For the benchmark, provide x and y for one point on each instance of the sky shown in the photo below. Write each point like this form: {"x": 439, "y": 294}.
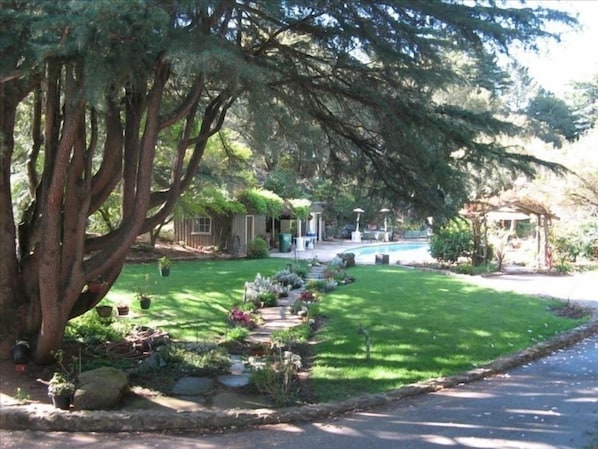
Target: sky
{"x": 575, "y": 58}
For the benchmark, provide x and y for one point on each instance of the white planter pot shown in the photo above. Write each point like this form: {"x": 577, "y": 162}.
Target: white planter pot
{"x": 300, "y": 242}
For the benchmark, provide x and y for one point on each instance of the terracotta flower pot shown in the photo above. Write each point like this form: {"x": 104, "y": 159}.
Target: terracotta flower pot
{"x": 122, "y": 310}
{"x": 95, "y": 287}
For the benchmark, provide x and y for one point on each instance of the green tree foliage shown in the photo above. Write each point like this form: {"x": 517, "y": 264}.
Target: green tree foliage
{"x": 224, "y": 170}
{"x": 552, "y": 119}
{"x": 585, "y": 100}
{"x": 113, "y": 86}
{"x": 262, "y": 201}
{"x": 572, "y": 241}
{"x": 285, "y": 182}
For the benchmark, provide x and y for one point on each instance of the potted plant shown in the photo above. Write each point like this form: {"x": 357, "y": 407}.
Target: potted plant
{"x": 164, "y": 264}
{"x": 20, "y": 355}
{"x": 122, "y": 309}
{"x": 96, "y": 285}
{"x": 104, "y": 311}
{"x": 144, "y": 299}
{"x": 142, "y": 294}
{"x": 61, "y": 390}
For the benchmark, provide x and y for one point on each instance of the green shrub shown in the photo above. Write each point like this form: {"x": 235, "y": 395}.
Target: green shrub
{"x": 588, "y": 239}
{"x": 287, "y": 338}
{"x": 318, "y": 285}
{"x": 289, "y": 278}
{"x": 257, "y": 249}
{"x": 567, "y": 248}
{"x": 451, "y": 242}
{"x": 570, "y": 242}
{"x": 464, "y": 268}
{"x": 275, "y": 376}
{"x": 245, "y": 306}
{"x": 237, "y": 333}
{"x": 189, "y": 362}
{"x": 562, "y": 266}
{"x": 91, "y": 330}
{"x": 268, "y": 299}
{"x": 313, "y": 310}
{"x": 301, "y": 269}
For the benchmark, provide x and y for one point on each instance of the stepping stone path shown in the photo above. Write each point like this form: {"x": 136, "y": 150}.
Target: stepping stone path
{"x": 315, "y": 273}
{"x": 281, "y": 317}
{"x": 274, "y": 318}
{"x": 238, "y": 377}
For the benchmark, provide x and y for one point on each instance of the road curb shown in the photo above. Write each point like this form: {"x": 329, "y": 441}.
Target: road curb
{"x": 44, "y": 418}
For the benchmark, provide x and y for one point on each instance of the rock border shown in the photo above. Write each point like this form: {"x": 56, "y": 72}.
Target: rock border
{"x": 43, "y": 418}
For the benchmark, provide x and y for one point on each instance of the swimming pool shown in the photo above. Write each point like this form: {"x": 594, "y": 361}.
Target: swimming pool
{"x": 386, "y": 248}
{"x": 416, "y": 251}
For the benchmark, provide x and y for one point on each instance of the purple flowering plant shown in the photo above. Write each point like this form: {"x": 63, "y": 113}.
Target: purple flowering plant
{"x": 308, "y": 296}
{"x": 240, "y": 318}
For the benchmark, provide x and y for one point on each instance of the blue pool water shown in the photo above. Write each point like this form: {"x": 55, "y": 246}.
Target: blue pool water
{"x": 387, "y": 248}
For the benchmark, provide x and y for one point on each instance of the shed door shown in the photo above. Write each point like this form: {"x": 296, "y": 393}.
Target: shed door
{"x": 249, "y": 228}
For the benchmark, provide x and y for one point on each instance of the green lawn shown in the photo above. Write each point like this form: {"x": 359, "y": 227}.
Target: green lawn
{"x": 421, "y": 324}
{"x": 193, "y": 302}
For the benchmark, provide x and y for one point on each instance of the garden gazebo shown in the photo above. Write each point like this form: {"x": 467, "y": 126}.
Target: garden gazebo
{"x": 496, "y": 210}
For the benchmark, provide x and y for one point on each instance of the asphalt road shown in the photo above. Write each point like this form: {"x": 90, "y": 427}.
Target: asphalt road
{"x": 548, "y": 404}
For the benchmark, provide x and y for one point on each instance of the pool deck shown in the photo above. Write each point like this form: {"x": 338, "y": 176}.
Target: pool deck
{"x": 327, "y": 250}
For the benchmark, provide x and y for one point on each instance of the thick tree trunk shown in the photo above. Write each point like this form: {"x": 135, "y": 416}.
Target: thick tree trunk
{"x": 9, "y": 275}
{"x": 51, "y": 332}
{"x": 43, "y": 277}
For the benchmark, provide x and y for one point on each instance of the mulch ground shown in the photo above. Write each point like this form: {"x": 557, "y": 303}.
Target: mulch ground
{"x": 146, "y": 253}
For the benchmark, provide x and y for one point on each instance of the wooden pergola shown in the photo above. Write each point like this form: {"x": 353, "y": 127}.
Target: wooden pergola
{"x": 480, "y": 212}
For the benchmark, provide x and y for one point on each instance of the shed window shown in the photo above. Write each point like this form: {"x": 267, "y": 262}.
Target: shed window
{"x": 202, "y": 225}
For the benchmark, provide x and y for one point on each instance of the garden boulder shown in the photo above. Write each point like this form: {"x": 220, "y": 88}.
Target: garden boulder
{"x": 101, "y": 389}
{"x": 348, "y": 259}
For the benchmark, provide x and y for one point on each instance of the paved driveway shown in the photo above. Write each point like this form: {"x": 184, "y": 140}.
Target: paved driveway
{"x": 581, "y": 288}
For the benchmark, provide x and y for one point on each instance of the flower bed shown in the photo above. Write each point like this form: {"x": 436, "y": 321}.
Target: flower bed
{"x": 238, "y": 317}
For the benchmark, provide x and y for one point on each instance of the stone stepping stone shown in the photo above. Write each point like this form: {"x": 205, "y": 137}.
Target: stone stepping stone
{"x": 315, "y": 273}
{"x": 192, "y": 386}
{"x": 234, "y": 380}
{"x": 259, "y": 337}
{"x": 237, "y": 365}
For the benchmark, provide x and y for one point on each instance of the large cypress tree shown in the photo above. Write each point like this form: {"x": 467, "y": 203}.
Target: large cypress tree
{"x": 103, "y": 80}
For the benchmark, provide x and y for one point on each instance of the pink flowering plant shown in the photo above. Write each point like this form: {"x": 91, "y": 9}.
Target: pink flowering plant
{"x": 238, "y": 317}
{"x": 308, "y": 296}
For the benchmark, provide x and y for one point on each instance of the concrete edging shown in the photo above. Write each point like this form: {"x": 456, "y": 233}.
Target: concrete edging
{"x": 30, "y": 417}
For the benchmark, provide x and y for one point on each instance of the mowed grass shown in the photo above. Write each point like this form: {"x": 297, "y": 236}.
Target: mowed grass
{"x": 421, "y": 324}
{"x": 192, "y": 303}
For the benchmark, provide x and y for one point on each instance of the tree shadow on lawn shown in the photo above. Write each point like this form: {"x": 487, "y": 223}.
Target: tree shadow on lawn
{"x": 450, "y": 326}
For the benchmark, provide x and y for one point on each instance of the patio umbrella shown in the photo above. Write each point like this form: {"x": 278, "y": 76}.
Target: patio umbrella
{"x": 359, "y": 212}
{"x": 385, "y": 211}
